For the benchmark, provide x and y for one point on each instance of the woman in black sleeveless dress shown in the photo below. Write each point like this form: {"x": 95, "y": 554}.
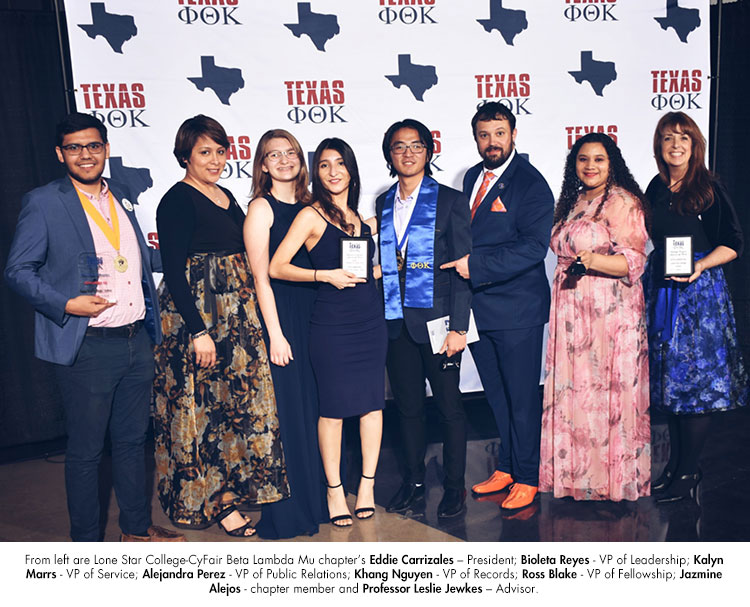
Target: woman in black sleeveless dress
{"x": 279, "y": 193}
{"x": 347, "y": 333}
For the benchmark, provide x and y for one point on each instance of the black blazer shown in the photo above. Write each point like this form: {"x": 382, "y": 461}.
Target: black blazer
{"x": 451, "y": 294}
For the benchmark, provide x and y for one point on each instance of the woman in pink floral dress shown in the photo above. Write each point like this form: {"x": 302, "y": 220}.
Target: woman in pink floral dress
{"x": 596, "y": 437}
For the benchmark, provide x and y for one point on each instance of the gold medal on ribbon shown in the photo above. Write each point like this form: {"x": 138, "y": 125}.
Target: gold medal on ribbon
{"x": 399, "y": 260}
{"x": 112, "y": 232}
{"x": 121, "y": 264}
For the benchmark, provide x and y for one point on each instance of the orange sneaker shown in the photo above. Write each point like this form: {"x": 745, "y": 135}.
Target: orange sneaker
{"x": 497, "y": 482}
{"x": 520, "y": 496}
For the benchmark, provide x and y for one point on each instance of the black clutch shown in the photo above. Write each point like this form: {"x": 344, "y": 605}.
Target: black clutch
{"x": 577, "y": 268}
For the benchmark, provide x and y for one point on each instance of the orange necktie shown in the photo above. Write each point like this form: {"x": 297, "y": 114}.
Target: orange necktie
{"x": 488, "y": 176}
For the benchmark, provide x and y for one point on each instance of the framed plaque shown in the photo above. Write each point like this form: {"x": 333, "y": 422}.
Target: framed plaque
{"x": 97, "y": 275}
{"x": 678, "y": 256}
{"x": 355, "y": 256}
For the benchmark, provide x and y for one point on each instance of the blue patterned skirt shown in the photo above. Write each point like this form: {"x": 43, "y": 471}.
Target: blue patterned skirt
{"x": 695, "y": 363}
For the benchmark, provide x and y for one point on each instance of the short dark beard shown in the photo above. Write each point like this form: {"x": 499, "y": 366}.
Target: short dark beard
{"x": 494, "y": 164}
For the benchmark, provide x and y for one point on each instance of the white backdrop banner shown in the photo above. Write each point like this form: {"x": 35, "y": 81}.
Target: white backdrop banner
{"x": 350, "y": 68}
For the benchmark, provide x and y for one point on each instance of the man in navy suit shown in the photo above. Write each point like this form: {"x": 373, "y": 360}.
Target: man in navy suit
{"x": 511, "y": 209}
{"x": 79, "y": 257}
{"x": 421, "y": 225}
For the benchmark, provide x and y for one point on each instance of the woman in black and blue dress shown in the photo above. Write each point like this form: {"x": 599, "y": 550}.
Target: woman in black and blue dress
{"x": 348, "y": 337}
{"x": 279, "y": 192}
{"x": 696, "y": 367}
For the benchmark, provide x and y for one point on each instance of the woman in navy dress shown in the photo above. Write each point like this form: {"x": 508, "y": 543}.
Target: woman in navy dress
{"x": 348, "y": 337}
{"x": 279, "y": 192}
{"x": 695, "y": 363}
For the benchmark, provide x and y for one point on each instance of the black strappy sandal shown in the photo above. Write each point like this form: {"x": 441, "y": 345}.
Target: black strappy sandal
{"x": 336, "y": 521}
{"x": 239, "y": 531}
{"x": 368, "y": 511}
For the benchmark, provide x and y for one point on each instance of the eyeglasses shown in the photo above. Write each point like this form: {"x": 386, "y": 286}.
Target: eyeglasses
{"x": 74, "y": 149}
{"x": 276, "y": 155}
{"x": 401, "y": 148}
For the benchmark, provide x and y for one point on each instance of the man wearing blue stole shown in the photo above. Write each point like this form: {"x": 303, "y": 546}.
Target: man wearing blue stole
{"x": 423, "y": 224}
{"x": 511, "y": 221}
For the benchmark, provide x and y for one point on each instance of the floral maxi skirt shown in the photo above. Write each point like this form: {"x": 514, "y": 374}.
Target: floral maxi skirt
{"x": 695, "y": 361}
{"x": 216, "y": 429}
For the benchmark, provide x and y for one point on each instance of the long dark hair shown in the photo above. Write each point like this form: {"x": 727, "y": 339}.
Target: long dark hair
{"x": 696, "y": 193}
{"x": 262, "y": 182}
{"x": 322, "y": 195}
{"x": 619, "y": 176}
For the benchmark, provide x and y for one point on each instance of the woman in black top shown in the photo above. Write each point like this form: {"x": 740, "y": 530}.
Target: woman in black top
{"x": 217, "y": 434}
{"x": 695, "y": 364}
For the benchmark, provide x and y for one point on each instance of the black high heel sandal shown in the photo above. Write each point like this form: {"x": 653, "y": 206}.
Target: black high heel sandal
{"x": 368, "y": 511}
{"x": 339, "y": 521}
{"x": 238, "y": 531}
{"x": 683, "y": 487}
{"x": 663, "y": 482}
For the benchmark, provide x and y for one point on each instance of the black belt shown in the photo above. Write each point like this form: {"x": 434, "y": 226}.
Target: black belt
{"x": 124, "y": 331}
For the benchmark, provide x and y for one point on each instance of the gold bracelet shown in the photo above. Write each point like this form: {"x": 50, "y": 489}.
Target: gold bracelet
{"x": 315, "y": 276}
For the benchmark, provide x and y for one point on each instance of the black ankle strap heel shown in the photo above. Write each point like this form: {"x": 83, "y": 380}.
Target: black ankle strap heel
{"x": 342, "y": 520}
{"x": 367, "y": 512}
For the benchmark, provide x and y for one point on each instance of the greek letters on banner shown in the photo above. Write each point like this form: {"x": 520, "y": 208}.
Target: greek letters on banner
{"x": 350, "y": 68}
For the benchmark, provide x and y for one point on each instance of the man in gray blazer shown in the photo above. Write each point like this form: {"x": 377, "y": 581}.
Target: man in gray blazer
{"x": 79, "y": 257}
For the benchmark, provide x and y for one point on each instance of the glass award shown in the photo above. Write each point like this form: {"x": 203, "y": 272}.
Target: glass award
{"x": 355, "y": 256}
{"x": 678, "y": 256}
{"x": 97, "y": 275}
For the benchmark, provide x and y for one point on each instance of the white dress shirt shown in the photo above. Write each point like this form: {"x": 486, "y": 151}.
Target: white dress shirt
{"x": 402, "y": 211}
